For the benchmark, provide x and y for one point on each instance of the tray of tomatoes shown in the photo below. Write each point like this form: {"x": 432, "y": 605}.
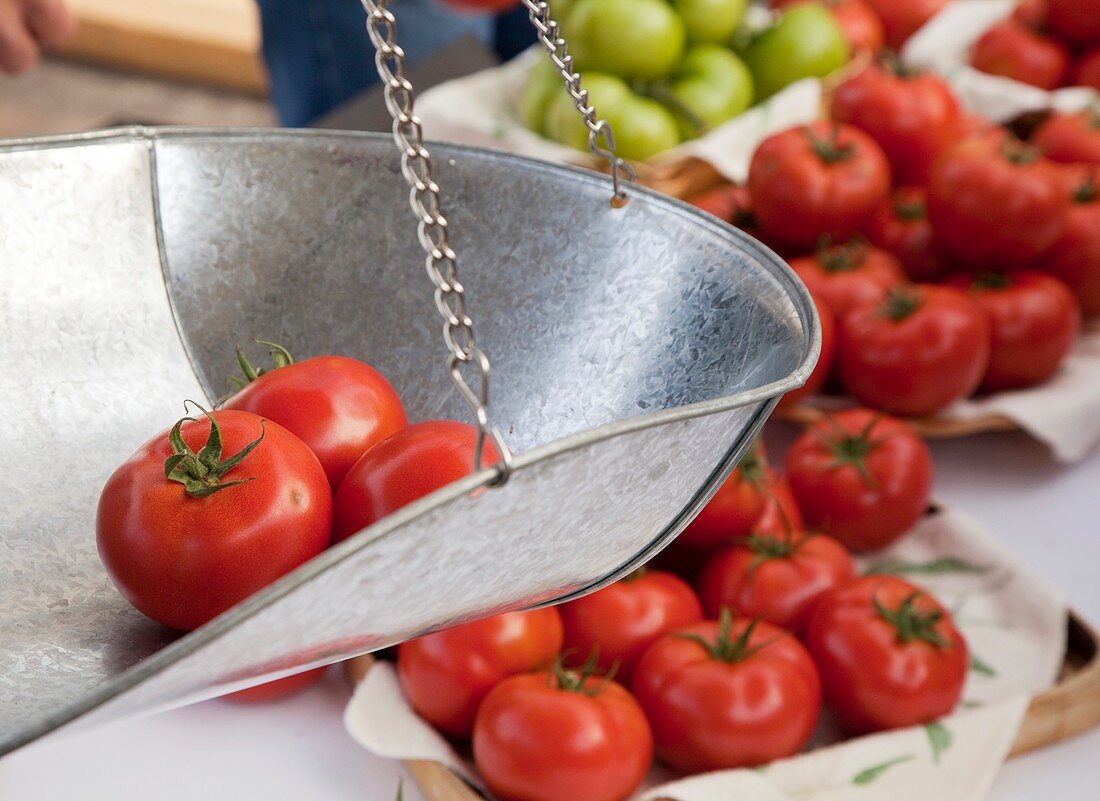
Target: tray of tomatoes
{"x": 955, "y": 264}
{"x": 825, "y": 613}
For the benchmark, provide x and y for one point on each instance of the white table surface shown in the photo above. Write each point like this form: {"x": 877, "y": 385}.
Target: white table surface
{"x": 297, "y": 749}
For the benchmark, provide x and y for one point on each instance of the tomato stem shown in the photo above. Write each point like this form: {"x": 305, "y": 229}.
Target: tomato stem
{"x": 1088, "y": 191}
{"x": 201, "y": 473}
{"x": 992, "y": 280}
{"x": 829, "y": 150}
{"x": 900, "y": 303}
{"x": 910, "y": 624}
{"x": 576, "y": 681}
{"x": 909, "y": 210}
{"x": 893, "y": 65}
{"x": 725, "y": 648}
{"x": 843, "y": 257}
{"x": 280, "y": 357}
{"x": 1019, "y": 153}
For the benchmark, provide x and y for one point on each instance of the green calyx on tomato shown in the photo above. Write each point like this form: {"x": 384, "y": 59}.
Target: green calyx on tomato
{"x": 1088, "y": 191}
{"x": 826, "y": 148}
{"x": 852, "y": 449}
{"x": 1019, "y": 153}
{"x": 576, "y": 680}
{"x": 910, "y": 623}
{"x": 844, "y": 257}
{"x": 752, "y": 467}
{"x": 201, "y": 473}
{"x": 725, "y": 647}
{"x": 280, "y": 357}
{"x": 900, "y": 303}
{"x": 991, "y": 280}
{"x": 893, "y": 65}
{"x": 910, "y": 210}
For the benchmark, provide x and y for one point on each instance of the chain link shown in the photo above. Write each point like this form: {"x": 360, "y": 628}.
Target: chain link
{"x": 601, "y": 139}
{"x": 441, "y": 262}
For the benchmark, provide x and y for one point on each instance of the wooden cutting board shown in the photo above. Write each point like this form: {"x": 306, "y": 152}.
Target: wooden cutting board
{"x": 215, "y": 42}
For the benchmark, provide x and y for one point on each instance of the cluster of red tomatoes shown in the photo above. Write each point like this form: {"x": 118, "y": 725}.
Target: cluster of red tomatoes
{"x": 724, "y": 653}
{"x": 1045, "y": 43}
{"x": 224, "y": 503}
{"x": 945, "y": 255}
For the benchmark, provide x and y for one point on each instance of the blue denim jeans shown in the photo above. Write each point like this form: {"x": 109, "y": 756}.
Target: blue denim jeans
{"x": 318, "y": 52}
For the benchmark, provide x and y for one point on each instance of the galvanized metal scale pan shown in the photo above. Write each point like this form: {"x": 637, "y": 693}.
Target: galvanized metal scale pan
{"x": 636, "y": 350}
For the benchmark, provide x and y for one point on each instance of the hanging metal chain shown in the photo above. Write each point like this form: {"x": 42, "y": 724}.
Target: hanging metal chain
{"x": 601, "y": 139}
{"x": 441, "y": 262}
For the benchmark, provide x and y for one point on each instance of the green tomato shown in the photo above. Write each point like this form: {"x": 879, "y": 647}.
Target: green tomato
{"x": 807, "y": 42}
{"x": 543, "y": 81}
{"x": 710, "y": 21}
{"x": 712, "y": 85}
{"x": 642, "y": 127}
{"x": 641, "y": 39}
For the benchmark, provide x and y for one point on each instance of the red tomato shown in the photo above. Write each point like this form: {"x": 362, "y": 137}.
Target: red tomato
{"x": 405, "y": 467}
{"x": 1015, "y": 51}
{"x": 995, "y": 203}
{"x": 861, "y": 26}
{"x": 825, "y": 361}
{"x": 913, "y": 115}
{"x": 1034, "y": 321}
{"x": 1032, "y": 13}
{"x": 728, "y": 202}
{"x": 617, "y": 623}
{"x": 780, "y": 513}
{"x": 727, "y": 695}
{"x": 848, "y": 275}
{"x": 280, "y": 688}
{"x": 861, "y": 477}
{"x": 561, "y": 735}
{"x": 337, "y": 406}
{"x": 1076, "y": 21}
{"x": 1086, "y": 70}
{"x": 735, "y": 507}
{"x": 902, "y": 18}
{"x": 477, "y": 6}
{"x": 888, "y": 653}
{"x": 185, "y": 548}
{"x": 1071, "y": 138}
{"x": 446, "y": 675}
{"x": 776, "y": 578}
{"x": 916, "y": 352}
{"x": 820, "y": 179}
{"x": 901, "y": 227}
{"x": 1075, "y": 257}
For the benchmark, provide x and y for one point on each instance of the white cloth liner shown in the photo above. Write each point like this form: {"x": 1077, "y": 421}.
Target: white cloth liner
{"x": 1014, "y": 622}
{"x": 943, "y": 45}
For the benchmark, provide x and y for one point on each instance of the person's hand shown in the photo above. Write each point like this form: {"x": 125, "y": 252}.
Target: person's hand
{"x": 27, "y": 27}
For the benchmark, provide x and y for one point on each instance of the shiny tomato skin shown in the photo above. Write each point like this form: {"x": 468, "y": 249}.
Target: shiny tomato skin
{"x": 1075, "y": 257}
{"x": 760, "y": 579}
{"x": 1070, "y": 138}
{"x": 849, "y": 275}
{"x": 1034, "y": 321}
{"x": 825, "y": 361}
{"x": 1076, "y": 21}
{"x": 995, "y": 204}
{"x": 1013, "y": 50}
{"x": 183, "y": 560}
{"x": 734, "y": 508}
{"x": 902, "y": 18}
{"x": 536, "y": 742}
{"x": 405, "y": 467}
{"x": 1086, "y": 70}
{"x": 337, "y": 406}
{"x": 815, "y": 180}
{"x": 277, "y": 689}
{"x": 917, "y": 365}
{"x": 873, "y": 681}
{"x": 710, "y": 714}
{"x": 861, "y": 477}
{"x": 900, "y": 226}
{"x": 913, "y": 116}
{"x": 447, "y": 674}
{"x": 620, "y": 621}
